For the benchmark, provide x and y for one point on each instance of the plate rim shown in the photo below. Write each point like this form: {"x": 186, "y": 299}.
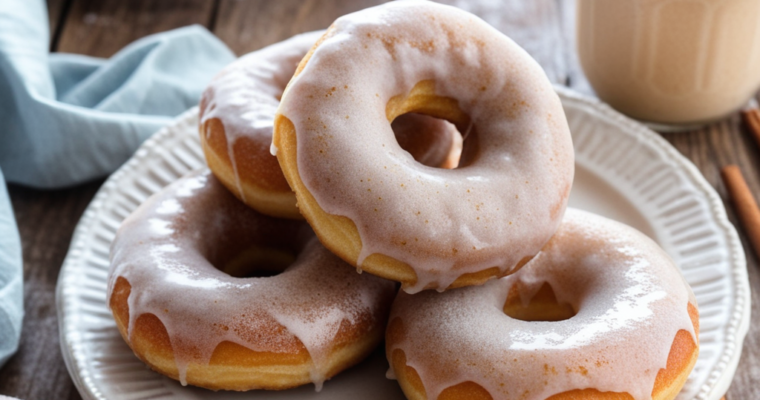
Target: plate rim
{"x": 740, "y": 315}
{"x": 89, "y": 392}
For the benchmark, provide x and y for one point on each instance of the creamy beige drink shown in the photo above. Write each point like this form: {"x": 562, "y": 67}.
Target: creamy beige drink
{"x": 671, "y": 61}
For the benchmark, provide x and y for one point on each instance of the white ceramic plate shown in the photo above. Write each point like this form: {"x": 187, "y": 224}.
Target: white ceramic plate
{"x": 624, "y": 171}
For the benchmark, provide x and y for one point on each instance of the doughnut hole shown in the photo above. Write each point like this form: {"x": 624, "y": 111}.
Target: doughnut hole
{"x": 258, "y": 262}
{"x": 543, "y": 306}
{"x": 243, "y": 257}
{"x": 431, "y": 141}
{"x": 422, "y": 100}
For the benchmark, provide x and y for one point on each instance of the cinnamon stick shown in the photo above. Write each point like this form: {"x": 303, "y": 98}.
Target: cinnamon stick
{"x": 751, "y": 118}
{"x": 744, "y": 204}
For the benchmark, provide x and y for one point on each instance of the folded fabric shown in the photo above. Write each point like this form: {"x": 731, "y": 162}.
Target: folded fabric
{"x": 70, "y": 118}
{"x": 11, "y": 284}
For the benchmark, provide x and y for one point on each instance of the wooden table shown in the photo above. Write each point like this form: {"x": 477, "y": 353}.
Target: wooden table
{"x": 47, "y": 219}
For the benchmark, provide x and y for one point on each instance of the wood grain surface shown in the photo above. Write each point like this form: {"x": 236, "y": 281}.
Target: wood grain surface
{"x": 47, "y": 219}
{"x": 101, "y": 28}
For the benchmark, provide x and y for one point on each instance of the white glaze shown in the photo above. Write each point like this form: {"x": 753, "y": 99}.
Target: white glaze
{"x": 443, "y": 223}
{"x": 244, "y": 97}
{"x": 164, "y": 249}
{"x": 630, "y": 298}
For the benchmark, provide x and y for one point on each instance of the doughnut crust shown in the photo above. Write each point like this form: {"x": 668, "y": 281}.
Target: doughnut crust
{"x": 381, "y": 211}
{"x": 600, "y": 302}
{"x": 185, "y": 294}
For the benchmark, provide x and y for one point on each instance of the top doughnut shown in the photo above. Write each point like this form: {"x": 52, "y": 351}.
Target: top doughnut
{"x": 369, "y": 201}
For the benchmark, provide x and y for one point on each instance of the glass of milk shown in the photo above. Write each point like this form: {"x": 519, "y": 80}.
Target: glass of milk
{"x": 675, "y": 63}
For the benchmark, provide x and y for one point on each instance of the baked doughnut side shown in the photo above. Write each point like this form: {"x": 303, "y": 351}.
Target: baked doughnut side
{"x": 269, "y": 193}
{"x": 233, "y": 366}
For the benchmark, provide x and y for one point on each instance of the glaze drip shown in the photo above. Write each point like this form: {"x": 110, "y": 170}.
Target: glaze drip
{"x": 630, "y": 299}
{"x": 245, "y": 96}
{"x": 167, "y": 251}
{"x": 443, "y": 223}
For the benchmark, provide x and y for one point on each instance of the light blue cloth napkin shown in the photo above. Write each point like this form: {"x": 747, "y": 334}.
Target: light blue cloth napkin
{"x": 11, "y": 282}
{"x": 68, "y": 118}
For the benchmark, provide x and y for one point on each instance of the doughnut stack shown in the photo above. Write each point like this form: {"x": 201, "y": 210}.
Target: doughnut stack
{"x": 415, "y": 143}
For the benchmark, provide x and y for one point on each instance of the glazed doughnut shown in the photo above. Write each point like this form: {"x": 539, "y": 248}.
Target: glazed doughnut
{"x": 601, "y": 313}
{"x": 372, "y": 204}
{"x": 180, "y": 298}
{"x": 236, "y": 116}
